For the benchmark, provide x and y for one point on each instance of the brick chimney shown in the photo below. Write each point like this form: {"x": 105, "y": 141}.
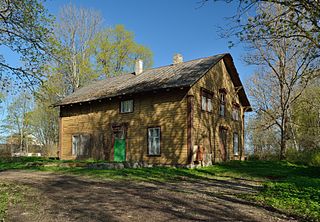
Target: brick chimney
{"x": 138, "y": 67}
{"x": 177, "y": 58}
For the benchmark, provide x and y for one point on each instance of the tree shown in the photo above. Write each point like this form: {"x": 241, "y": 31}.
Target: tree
{"x": 25, "y": 28}
{"x": 299, "y": 18}
{"x": 262, "y": 141}
{"x": 116, "y": 51}
{"x": 286, "y": 68}
{"x": 306, "y": 118}
{"x": 17, "y": 121}
{"x": 44, "y": 123}
{"x": 76, "y": 29}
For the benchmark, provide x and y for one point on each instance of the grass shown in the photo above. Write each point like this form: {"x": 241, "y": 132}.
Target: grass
{"x": 9, "y": 194}
{"x": 290, "y": 188}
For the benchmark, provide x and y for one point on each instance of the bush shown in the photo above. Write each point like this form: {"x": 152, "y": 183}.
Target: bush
{"x": 306, "y": 157}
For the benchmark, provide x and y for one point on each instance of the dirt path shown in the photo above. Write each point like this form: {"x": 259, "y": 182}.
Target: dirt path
{"x": 56, "y": 197}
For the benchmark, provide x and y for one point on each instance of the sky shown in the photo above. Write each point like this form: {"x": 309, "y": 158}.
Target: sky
{"x": 168, "y": 26}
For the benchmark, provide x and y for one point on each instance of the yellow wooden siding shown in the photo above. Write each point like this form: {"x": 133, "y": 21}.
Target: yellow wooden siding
{"x": 206, "y": 125}
{"x": 165, "y": 109}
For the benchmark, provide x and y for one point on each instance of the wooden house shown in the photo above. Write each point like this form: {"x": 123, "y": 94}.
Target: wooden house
{"x": 182, "y": 113}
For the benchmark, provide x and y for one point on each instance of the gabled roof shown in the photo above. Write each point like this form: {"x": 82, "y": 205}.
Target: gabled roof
{"x": 184, "y": 74}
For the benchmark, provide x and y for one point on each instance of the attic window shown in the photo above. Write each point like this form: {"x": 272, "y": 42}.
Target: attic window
{"x": 126, "y": 106}
{"x": 206, "y": 100}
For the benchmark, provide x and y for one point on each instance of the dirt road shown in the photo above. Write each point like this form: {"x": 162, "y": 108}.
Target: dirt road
{"x": 57, "y": 197}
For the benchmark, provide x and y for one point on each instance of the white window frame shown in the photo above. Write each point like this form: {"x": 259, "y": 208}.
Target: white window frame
{"x": 126, "y": 106}
{"x": 235, "y": 144}
{"x": 154, "y": 141}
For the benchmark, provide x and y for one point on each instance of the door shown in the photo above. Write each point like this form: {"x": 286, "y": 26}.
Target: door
{"x": 223, "y": 144}
{"x": 119, "y": 146}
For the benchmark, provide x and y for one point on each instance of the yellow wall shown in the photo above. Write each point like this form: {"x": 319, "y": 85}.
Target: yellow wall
{"x": 206, "y": 125}
{"x": 166, "y": 109}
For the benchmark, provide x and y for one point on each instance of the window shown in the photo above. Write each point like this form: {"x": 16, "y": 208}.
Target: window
{"x": 222, "y": 108}
{"x": 126, "y": 106}
{"x": 235, "y": 144}
{"x": 235, "y": 112}
{"x": 80, "y": 144}
{"x": 75, "y": 144}
{"x": 206, "y": 100}
{"x": 154, "y": 141}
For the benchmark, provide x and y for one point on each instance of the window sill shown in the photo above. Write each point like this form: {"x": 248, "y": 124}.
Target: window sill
{"x": 205, "y": 111}
{"x": 153, "y": 155}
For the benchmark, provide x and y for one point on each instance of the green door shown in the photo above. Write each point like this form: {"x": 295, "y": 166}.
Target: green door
{"x": 119, "y": 150}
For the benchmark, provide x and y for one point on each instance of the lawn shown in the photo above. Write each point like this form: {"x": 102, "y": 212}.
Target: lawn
{"x": 290, "y": 188}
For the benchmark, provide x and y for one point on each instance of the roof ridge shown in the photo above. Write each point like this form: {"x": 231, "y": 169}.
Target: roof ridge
{"x": 221, "y": 54}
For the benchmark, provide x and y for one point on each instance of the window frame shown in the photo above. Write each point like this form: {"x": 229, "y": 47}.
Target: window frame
{"x": 207, "y": 95}
{"x": 126, "y": 100}
{"x": 160, "y": 139}
{"x": 235, "y": 135}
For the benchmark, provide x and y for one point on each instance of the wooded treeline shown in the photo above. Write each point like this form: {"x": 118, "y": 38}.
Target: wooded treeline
{"x": 57, "y": 56}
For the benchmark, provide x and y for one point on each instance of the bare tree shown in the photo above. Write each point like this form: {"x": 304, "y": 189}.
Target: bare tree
{"x": 75, "y": 29}
{"x": 286, "y": 67}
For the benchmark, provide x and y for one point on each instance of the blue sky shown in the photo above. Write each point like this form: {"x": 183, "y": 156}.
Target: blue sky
{"x": 168, "y": 26}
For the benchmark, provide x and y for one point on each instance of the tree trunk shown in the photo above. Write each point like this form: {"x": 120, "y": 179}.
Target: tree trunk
{"x": 283, "y": 145}
{"x": 284, "y": 138}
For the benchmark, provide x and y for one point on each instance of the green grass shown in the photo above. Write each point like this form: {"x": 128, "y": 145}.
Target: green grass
{"x": 293, "y": 189}
{"x": 290, "y": 188}
{"x": 9, "y": 194}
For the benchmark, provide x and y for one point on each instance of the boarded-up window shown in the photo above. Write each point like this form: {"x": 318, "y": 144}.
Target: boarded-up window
{"x": 154, "y": 141}
{"x": 126, "y": 106}
{"x": 235, "y": 144}
{"x": 81, "y": 144}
